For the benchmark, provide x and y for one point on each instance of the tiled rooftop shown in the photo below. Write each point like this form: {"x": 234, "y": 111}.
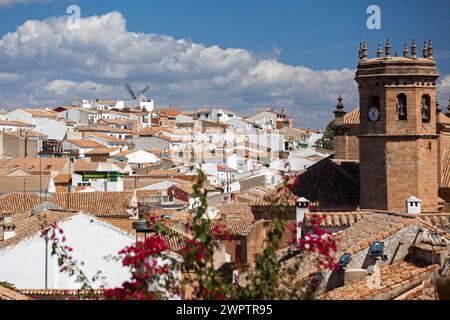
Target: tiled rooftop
{"x": 352, "y": 117}
{"x": 425, "y": 291}
{"x": 445, "y": 183}
{"x": 28, "y": 226}
{"x": 395, "y": 280}
{"x": 8, "y": 294}
{"x": 113, "y": 204}
{"x": 372, "y": 227}
{"x": 333, "y": 184}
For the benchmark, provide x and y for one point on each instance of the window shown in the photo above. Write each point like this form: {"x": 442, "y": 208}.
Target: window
{"x": 402, "y": 107}
{"x": 426, "y": 108}
{"x": 374, "y": 101}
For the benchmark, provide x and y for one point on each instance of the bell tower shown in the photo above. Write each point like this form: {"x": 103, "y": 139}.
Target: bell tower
{"x": 398, "y": 140}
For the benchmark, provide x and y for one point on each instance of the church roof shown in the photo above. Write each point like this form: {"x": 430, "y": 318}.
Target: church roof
{"x": 352, "y": 117}
{"x": 332, "y": 183}
{"x": 445, "y": 183}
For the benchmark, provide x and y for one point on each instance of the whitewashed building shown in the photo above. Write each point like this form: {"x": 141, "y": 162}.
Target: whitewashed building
{"x": 23, "y": 259}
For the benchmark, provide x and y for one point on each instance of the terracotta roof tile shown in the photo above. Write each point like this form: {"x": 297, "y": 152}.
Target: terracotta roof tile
{"x": 403, "y": 275}
{"x": 102, "y": 150}
{"x": 371, "y": 227}
{"x": 96, "y": 203}
{"x": 59, "y": 293}
{"x": 8, "y": 294}
{"x": 86, "y": 143}
{"x": 28, "y": 226}
{"x": 445, "y": 183}
{"x": 280, "y": 196}
{"x": 352, "y": 117}
{"x": 333, "y": 184}
{"x": 425, "y": 291}
{"x": 103, "y": 204}
{"x": 20, "y": 203}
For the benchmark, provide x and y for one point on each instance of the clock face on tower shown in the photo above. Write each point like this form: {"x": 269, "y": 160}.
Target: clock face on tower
{"x": 374, "y": 114}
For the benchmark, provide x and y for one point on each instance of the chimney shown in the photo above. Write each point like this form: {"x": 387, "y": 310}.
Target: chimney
{"x": 9, "y": 229}
{"x": 6, "y": 217}
{"x": 301, "y": 209}
{"x": 51, "y": 187}
{"x": 413, "y": 205}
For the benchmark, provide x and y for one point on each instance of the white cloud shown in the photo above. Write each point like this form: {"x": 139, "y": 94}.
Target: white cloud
{"x": 6, "y": 3}
{"x": 56, "y": 65}
{"x": 444, "y": 87}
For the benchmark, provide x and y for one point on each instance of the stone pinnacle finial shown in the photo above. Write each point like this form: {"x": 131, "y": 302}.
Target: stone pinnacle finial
{"x": 414, "y": 48}
{"x": 388, "y": 48}
{"x": 340, "y": 105}
{"x": 364, "y": 51}
{"x": 379, "y": 51}
{"x": 430, "y": 49}
{"x": 360, "y": 50}
{"x": 425, "y": 50}
{"x": 406, "y": 50}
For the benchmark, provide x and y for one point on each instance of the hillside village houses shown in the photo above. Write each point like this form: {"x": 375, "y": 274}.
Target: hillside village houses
{"x": 383, "y": 191}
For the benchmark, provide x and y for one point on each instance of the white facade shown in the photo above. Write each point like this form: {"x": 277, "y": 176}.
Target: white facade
{"x": 8, "y": 126}
{"x": 215, "y": 114}
{"x": 100, "y": 185}
{"x": 103, "y": 184}
{"x": 122, "y": 145}
{"x": 50, "y": 127}
{"x": 141, "y": 157}
{"x": 91, "y": 239}
{"x": 265, "y": 119}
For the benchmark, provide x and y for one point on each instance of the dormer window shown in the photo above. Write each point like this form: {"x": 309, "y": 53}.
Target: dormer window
{"x": 426, "y": 108}
{"x": 402, "y": 107}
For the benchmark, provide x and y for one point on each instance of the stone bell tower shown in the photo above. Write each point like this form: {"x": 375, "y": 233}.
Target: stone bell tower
{"x": 398, "y": 140}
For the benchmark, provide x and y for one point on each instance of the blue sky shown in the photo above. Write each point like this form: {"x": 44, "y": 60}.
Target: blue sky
{"x": 317, "y": 35}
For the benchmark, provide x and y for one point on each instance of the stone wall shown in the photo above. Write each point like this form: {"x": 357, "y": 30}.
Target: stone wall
{"x": 372, "y": 168}
{"x": 346, "y": 143}
{"x": 394, "y": 168}
{"x": 252, "y": 244}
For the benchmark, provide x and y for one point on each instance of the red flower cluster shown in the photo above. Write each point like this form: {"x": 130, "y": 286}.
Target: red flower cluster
{"x": 136, "y": 254}
{"x": 319, "y": 241}
{"x": 221, "y": 231}
{"x": 195, "y": 248}
{"x": 142, "y": 260}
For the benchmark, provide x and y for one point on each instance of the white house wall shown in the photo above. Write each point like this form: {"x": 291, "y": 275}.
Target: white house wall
{"x": 24, "y": 264}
